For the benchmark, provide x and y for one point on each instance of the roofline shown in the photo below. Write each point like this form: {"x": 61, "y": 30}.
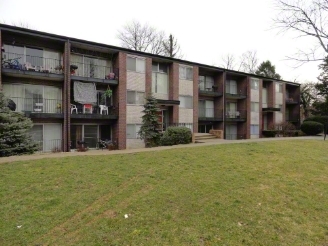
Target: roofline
{"x": 117, "y": 48}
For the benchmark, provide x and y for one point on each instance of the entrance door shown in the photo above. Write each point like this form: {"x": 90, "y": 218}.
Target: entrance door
{"x": 231, "y": 132}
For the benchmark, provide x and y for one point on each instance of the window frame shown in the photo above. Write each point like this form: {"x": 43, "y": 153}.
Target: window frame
{"x": 255, "y": 109}
{"x": 136, "y": 67}
{"x": 255, "y": 84}
{"x": 186, "y": 96}
{"x": 135, "y": 131}
{"x": 136, "y": 101}
{"x": 252, "y": 128}
{"x": 185, "y": 75}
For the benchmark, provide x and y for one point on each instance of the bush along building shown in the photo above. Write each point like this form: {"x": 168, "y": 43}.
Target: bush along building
{"x": 62, "y": 84}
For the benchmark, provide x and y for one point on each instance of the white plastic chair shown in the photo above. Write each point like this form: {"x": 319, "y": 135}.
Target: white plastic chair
{"x": 73, "y": 107}
{"x": 103, "y": 108}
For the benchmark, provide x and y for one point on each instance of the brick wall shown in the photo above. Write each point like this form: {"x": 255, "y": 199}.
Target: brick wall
{"x": 119, "y": 129}
{"x": 135, "y": 81}
{"x": 67, "y": 97}
{"x": 195, "y": 99}
{"x": 148, "y": 75}
{"x": 174, "y": 91}
{"x": 260, "y": 108}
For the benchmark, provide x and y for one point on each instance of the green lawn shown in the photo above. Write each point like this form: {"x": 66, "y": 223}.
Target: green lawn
{"x": 266, "y": 193}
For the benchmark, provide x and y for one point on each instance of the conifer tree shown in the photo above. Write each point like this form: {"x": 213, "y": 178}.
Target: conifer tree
{"x": 149, "y": 131}
{"x": 14, "y": 131}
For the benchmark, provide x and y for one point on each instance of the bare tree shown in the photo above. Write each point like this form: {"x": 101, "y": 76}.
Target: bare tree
{"x": 171, "y": 47}
{"x": 228, "y": 61}
{"x": 146, "y": 38}
{"x": 306, "y": 18}
{"x": 248, "y": 62}
{"x": 22, "y": 24}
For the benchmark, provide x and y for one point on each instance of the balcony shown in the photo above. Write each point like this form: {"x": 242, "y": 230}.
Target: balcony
{"x": 88, "y": 111}
{"x": 267, "y": 108}
{"x": 39, "y": 107}
{"x": 209, "y": 114}
{"x": 209, "y": 90}
{"x": 235, "y": 136}
{"x": 31, "y": 66}
{"x": 291, "y": 100}
{"x": 94, "y": 73}
{"x": 234, "y": 94}
{"x": 236, "y": 116}
{"x": 292, "y": 118}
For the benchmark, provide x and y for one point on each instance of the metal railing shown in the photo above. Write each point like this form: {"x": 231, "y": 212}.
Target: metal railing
{"x": 208, "y": 87}
{"x": 83, "y": 144}
{"x": 93, "y": 71}
{"x": 210, "y": 113}
{"x": 94, "y": 110}
{"x": 37, "y": 105}
{"x": 31, "y": 63}
{"x": 293, "y": 118}
{"x": 188, "y": 125}
{"x": 235, "y": 136}
{"x": 52, "y": 145}
{"x": 236, "y": 114}
{"x": 232, "y": 91}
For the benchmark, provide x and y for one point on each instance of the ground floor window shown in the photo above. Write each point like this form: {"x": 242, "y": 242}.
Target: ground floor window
{"x": 132, "y": 131}
{"x": 89, "y": 134}
{"x": 205, "y": 128}
{"x": 48, "y": 137}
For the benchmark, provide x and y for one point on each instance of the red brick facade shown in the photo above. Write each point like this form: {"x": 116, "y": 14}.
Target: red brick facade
{"x": 148, "y": 75}
{"x": 195, "y": 99}
{"x": 119, "y": 129}
{"x": 174, "y": 91}
{"x": 120, "y": 91}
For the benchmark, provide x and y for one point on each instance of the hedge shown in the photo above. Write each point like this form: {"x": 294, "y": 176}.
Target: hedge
{"x": 320, "y": 119}
{"x": 311, "y": 127}
{"x": 176, "y": 135}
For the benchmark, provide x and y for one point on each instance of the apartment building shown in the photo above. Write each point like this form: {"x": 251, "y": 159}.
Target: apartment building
{"x": 59, "y": 81}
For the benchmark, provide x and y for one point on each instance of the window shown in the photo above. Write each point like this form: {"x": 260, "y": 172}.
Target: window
{"x": 279, "y": 87}
{"x": 185, "y": 101}
{"x": 132, "y": 131}
{"x": 135, "y": 97}
{"x": 206, "y": 83}
{"x": 135, "y": 64}
{"x": 185, "y": 73}
{"x": 231, "y": 87}
{"x": 159, "y": 67}
{"x": 159, "y": 78}
{"x": 255, "y": 107}
{"x": 255, "y": 130}
{"x": 254, "y": 84}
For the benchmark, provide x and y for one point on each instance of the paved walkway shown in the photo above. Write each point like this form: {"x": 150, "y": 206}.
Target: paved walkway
{"x": 127, "y": 151}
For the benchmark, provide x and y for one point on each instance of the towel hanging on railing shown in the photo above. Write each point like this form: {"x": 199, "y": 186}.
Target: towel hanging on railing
{"x": 85, "y": 93}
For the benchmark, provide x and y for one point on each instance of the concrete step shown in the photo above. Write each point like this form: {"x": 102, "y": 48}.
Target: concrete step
{"x": 204, "y": 136}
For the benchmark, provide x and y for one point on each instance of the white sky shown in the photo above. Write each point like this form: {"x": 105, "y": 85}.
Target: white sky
{"x": 206, "y": 30}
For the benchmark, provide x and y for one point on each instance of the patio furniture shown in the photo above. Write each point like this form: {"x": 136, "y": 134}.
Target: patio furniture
{"x": 110, "y": 76}
{"x": 87, "y": 108}
{"x": 28, "y": 66}
{"x": 103, "y": 108}
{"x": 38, "y": 107}
{"x": 73, "y": 107}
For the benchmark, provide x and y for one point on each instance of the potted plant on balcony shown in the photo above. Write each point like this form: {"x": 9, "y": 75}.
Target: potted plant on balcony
{"x": 107, "y": 93}
{"x": 73, "y": 68}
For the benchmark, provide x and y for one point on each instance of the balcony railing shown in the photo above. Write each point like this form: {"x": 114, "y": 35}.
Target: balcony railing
{"x": 92, "y": 111}
{"x": 235, "y": 136}
{"x": 236, "y": 93}
{"x": 31, "y": 63}
{"x": 210, "y": 113}
{"x": 292, "y": 118}
{"x": 291, "y": 100}
{"x": 37, "y": 105}
{"x": 52, "y": 145}
{"x": 93, "y": 71}
{"x": 82, "y": 144}
{"x": 237, "y": 115}
{"x": 188, "y": 125}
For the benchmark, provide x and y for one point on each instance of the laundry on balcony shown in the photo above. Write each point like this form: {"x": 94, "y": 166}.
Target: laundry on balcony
{"x": 86, "y": 94}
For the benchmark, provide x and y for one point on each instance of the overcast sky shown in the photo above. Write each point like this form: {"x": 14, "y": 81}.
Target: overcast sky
{"x": 206, "y": 30}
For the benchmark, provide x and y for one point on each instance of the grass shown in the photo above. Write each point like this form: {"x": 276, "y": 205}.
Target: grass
{"x": 265, "y": 193}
